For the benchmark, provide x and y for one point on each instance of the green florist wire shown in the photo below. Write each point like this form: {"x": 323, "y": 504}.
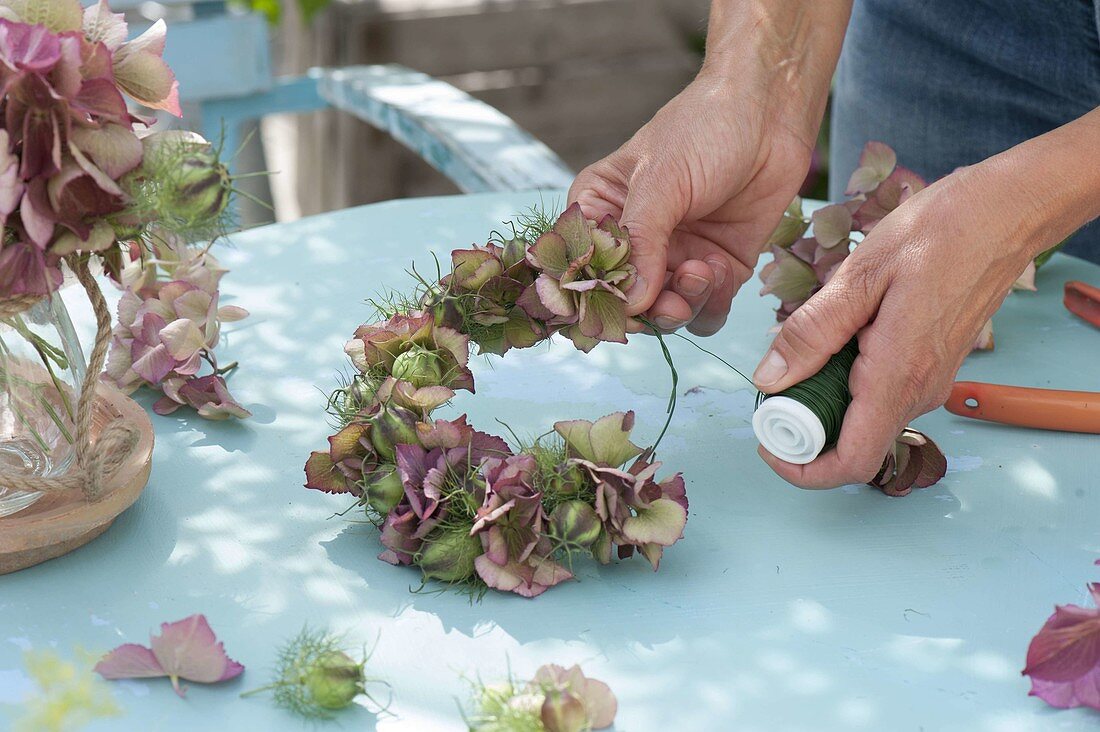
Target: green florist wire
{"x": 314, "y": 677}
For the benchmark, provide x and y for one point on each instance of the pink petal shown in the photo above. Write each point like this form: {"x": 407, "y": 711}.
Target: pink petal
{"x": 832, "y": 225}
{"x": 148, "y": 80}
{"x": 232, "y": 313}
{"x": 130, "y": 661}
{"x": 188, "y": 649}
{"x": 1081, "y": 692}
{"x": 182, "y": 338}
{"x": 114, "y": 148}
{"x": 154, "y": 364}
{"x": 103, "y": 26}
{"x": 1067, "y": 646}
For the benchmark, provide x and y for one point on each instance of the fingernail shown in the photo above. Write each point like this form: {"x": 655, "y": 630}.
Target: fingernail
{"x": 693, "y": 285}
{"x": 719, "y": 268}
{"x": 664, "y": 322}
{"x": 771, "y": 369}
{"x": 637, "y": 291}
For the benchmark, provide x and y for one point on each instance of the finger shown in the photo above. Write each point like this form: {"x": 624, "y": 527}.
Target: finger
{"x": 669, "y": 312}
{"x": 693, "y": 281}
{"x": 600, "y": 188}
{"x": 822, "y": 325}
{"x": 650, "y": 213}
{"x": 727, "y": 281}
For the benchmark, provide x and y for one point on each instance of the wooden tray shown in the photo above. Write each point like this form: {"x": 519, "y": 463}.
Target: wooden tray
{"x": 60, "y": 522}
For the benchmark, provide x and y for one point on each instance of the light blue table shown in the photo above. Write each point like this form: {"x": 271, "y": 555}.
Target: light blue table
{"x": 780, "y": 610}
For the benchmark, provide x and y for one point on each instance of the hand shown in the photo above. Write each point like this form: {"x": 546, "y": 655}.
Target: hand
{"x": 700, "y": 188}
{"x": 917, "y": 291}
{"x": 704, "y": 183}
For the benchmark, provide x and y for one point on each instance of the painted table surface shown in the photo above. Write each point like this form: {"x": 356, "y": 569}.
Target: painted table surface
{"x": 781, "y": 609}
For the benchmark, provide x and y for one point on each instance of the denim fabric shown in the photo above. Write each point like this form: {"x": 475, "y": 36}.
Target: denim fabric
{"x": 952, "y": 82}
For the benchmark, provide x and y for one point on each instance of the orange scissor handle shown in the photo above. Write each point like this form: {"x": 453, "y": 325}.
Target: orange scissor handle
{"x": 1083, "y": 301}
{"x": 1045, "y": 409}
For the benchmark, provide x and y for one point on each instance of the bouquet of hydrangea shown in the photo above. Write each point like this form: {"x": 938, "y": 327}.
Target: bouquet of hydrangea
{"x": 82, "y": 178}
{"x": 83, "y": 181}
{"x": 465, "y": 506}
{"x": 802, "y": 263}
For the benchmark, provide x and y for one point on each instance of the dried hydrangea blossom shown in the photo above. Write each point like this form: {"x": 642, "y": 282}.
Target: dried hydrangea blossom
{"x": 455, "y": 502}
{"x": 413, "y": 347}
{"x": 584, "y": 275}
{"x": 915, "y": 461}
{"x": 168, "y": 324}
{"x": 636, "y": 511}
{"x": 186, "y": 649}
{"x": 483, "y": 291}
{"x": 1063, "y": 659}
{"x": 557, "y": 699}
{"x": 69, "y": 139}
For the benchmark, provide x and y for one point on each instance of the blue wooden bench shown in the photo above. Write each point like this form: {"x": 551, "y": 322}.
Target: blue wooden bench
{"x": 222, "y": 60}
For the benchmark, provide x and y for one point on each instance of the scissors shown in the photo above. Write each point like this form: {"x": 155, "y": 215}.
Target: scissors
{"x": 1045, "y": 409}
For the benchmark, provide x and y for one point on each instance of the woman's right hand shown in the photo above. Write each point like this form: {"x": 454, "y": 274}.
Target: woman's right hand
{"x": 704, "y": 183}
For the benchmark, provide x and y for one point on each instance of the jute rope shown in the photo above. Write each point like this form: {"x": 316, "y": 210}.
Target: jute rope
{"x": 95, "y": 462}
{"x": 15, "y": 305}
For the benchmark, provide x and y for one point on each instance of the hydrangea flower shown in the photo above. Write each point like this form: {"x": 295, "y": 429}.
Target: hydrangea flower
{"x": 637, "y": 512}
{"x": 584, "y": 275}
{"x": 517, "y": 554}
{"x": 68, "y": 137}
{"x": 483, "y": 288}
{"x": 803, "y": 265}
{"x": 557, "y": 699}
{"x": 915, "y": 461}
{"x": 572, "y": 701}
{"x": 364, "y": 453}
{"x": 413, "y": 348}
{"x": 208, "y": 395}
{"x": 167, "y": 330}
{"x": 440, "y": 464}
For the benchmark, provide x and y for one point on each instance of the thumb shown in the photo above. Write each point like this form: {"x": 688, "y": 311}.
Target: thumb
{"x": 819, "y": 329}
{"x": 650, "y": 213}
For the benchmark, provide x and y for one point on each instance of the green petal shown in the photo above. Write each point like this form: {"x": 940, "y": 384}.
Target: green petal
{"x": 662, "y": 522}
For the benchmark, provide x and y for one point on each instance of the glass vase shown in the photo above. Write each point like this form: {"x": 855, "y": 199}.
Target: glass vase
{"x": 42, "y": 368}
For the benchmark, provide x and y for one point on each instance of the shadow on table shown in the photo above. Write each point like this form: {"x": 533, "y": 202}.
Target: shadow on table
{"x": 565, "y": 613}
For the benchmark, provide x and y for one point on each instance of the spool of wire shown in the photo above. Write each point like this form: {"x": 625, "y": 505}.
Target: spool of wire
{"x": 798, "y": 423}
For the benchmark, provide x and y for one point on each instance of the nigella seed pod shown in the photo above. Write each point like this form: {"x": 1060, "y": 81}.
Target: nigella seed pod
{"x": 183, "y": 178}
{"x": 201, "y": 187}
{"x": 450, "y": 557}
{"x": 384, "y": 492}
{"x": 392, "y": 426}
{"x": 418, "y": 366}
{"x": 334, "y": 680}
{"x": 576, "y": 523}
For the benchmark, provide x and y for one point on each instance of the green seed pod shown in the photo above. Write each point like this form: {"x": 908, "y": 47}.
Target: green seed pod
{"x": 419, "y": 367}
{"x": 192, "y": 184}
{"x": 392, "y": 426}
{"x": 384, "y": 491}
{"x": 450, "y": 557}
{"x": 201, "y": 189}
{"x": 334, "y": 680}
{"x": 575, "y": 522}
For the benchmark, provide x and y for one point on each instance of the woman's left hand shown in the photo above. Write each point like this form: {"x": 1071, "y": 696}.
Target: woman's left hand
{"x": 916, "y": 292}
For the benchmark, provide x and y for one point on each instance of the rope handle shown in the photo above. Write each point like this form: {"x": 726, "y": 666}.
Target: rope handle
{"x": 95, "y": 463}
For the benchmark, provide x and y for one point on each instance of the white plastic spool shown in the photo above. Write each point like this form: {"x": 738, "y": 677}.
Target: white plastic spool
{"x": 789, "y": 430}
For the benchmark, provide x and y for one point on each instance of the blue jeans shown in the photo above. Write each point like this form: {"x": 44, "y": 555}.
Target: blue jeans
{"x": 951, "y": 82}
